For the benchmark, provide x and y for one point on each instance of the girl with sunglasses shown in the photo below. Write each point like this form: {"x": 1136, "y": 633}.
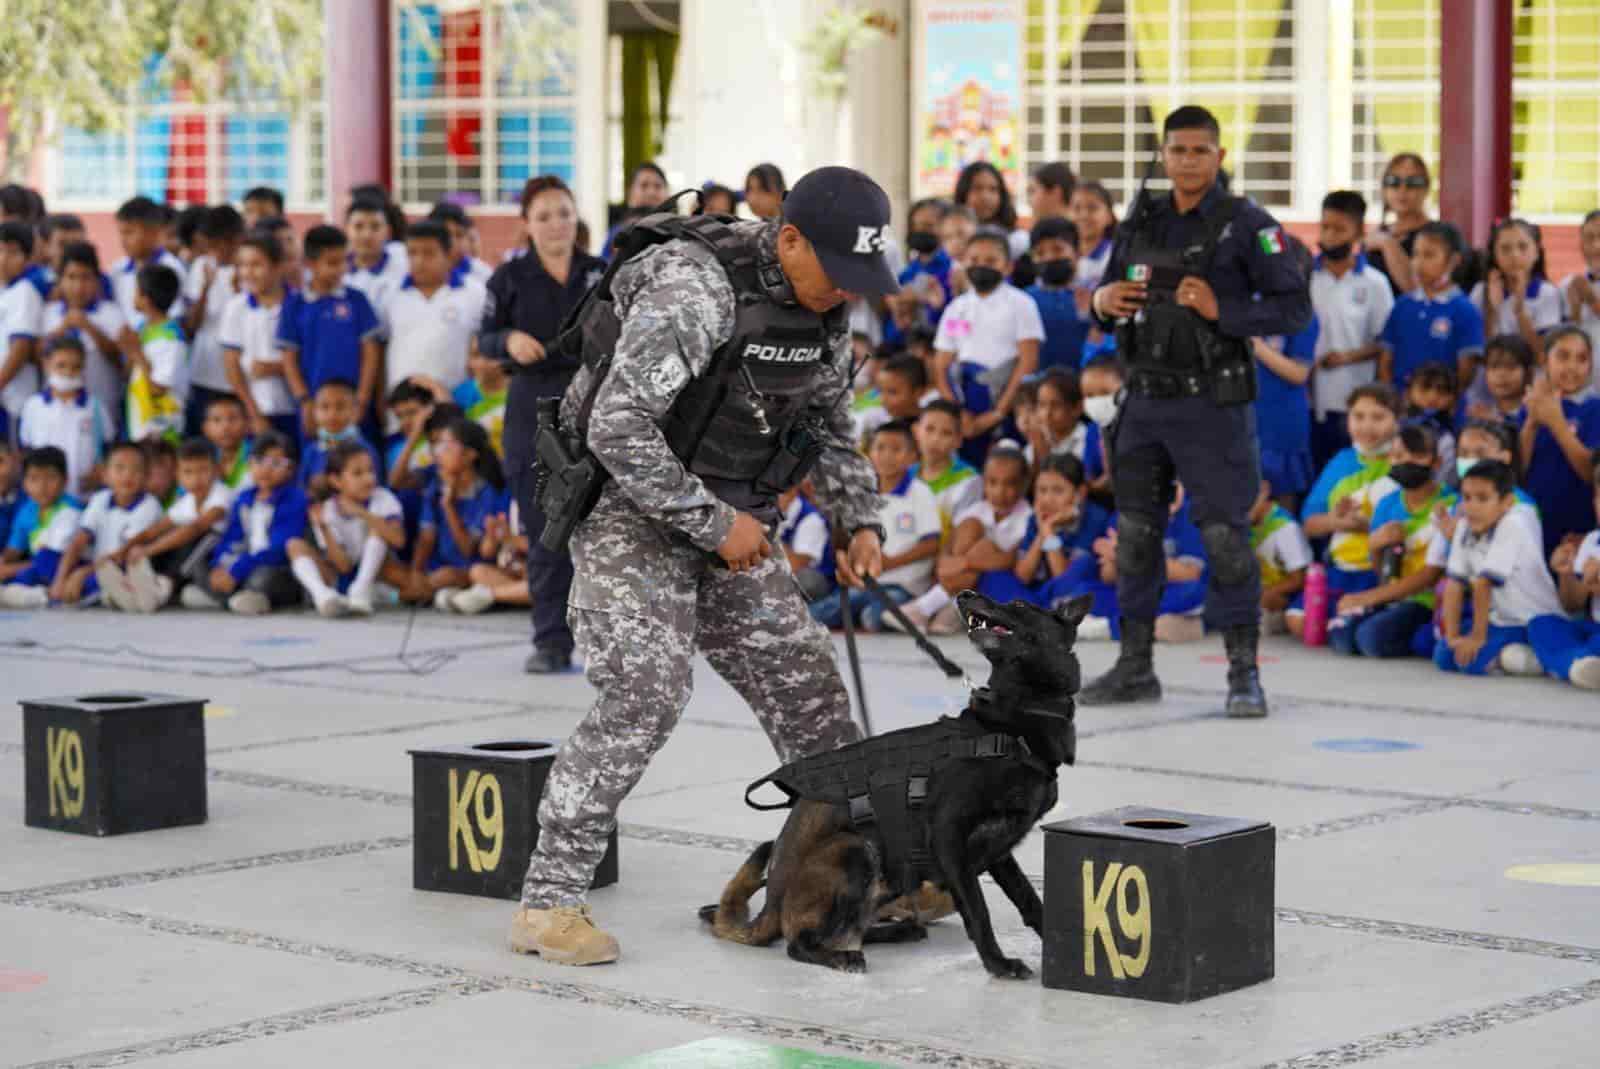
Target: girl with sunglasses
{"x": 1406, "y": 183}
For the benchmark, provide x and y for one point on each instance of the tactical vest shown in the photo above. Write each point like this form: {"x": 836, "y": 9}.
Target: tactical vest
{"x": 1166, "y": 338}
{"x": 733, "y": 424}
{"x": 881, "y": 783}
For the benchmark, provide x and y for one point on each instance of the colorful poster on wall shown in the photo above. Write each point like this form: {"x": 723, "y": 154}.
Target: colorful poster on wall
{"x": 969, "y": 105}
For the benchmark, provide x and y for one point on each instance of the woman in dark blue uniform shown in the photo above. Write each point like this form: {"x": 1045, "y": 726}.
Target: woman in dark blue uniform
{"x": 529, "y": 297}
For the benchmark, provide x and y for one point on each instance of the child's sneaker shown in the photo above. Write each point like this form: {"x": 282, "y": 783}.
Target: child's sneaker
{"x": 250, "y": 603}
{"x": 150, "y": 591}
{"x": 916, "y": 616}
{"x": 1094, "y": 629}
{"x": 332, "y": 606}
{"x": 1585, "y": 673}
{"x": 1518, "y": 659}
{"x": 946, "y": 621}
{"x": 359, "y": 602}
{"x": 115, "y": 587}
{"x": 195, "y": 597}
{"x": 443, "y": 599}
{"x": 17, "y": 596}
{"x": 473, "y": 600}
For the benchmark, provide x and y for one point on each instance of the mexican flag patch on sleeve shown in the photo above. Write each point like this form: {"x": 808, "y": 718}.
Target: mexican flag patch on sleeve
{"x": 1270, "y": 239}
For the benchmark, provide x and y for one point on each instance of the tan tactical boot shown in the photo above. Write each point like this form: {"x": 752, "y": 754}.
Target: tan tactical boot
{"x": 565, "y": 935}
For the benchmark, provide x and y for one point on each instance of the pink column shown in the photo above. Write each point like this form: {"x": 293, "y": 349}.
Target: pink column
{"x": 358, "y": 92}
{"x": 1475, "y": 114}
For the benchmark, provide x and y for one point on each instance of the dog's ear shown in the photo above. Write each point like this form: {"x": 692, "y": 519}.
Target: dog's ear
{"x": 1073, "y": 612}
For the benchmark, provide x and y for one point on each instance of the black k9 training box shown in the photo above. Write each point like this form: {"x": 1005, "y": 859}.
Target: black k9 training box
{"x": 474, "y": 813}
{"x": 105, "y": 764}
{"x": 1157, "y": 904}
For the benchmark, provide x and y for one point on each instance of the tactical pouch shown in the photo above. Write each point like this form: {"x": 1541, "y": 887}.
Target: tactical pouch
{"x": 798, "y": 452}
{"x": 1234, "y": 383}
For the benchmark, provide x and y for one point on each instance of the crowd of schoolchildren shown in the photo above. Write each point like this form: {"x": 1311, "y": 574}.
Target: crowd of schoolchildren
{"x": 231, "y": 415}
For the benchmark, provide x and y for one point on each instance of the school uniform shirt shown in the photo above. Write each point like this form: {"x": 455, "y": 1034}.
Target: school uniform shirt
{"x": 1351, "y": 311}
{"x": 472, "y": 269}
{"x": 206, "y": 366}
{"x": 314, "y": 457}
{"x": 804, "y": 530}
{"x": 260, "y": 526}
{"x": 487, "y": 410}
{"x": 1588, "y": 551}
{"x": 36, "y": 531}
{"x": 250, "y": 328}
{"x": 1513, "y": 561}
{"x": 102, "y": 371}
{"x": 430, "y": 335}
{"x": 1076, "y": 541}
{"x": 1588, "y": 321}
{"x": 1423, "y": 330}
{"x": 1349, "y": 474}
{"x": 987, "y": 330}
{"x": 159, "y": 414}
{"x": 79, "y": 426}
{"x": 187, "y": 509}
{"x": 1004, "y": 531}
{"x": 1065, "y": 328}
{"x": 125, "y": 284}
{"x": 1280, "y": 546}
{"x": 236, "y": 476}
{"x": 1419, "y": 531}
{"x": 21, "y": 317}
{"x": 1544, "y": 302}
{"x": 954, "y": 489}
{"x": 924, "y": 276}
{"x": 326, "y": 332}
{"x": 1283, "y": 415}
{"x": 1091, "y": 270}
{"x": 473, "y": 510}
{"x": 909, "y": 515}
{"x": 376, "y": 282}
{"x": 1566, "y": 502}
{"x": 111, "y": 525}
{"x": 1524, "y": 511}
{"x": 351, "y": 531}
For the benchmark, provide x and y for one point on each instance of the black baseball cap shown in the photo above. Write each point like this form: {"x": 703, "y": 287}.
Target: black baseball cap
{"x": 845, "y": 216}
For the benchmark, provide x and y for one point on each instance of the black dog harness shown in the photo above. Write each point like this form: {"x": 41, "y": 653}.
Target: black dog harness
{"x": 882, "y": 782}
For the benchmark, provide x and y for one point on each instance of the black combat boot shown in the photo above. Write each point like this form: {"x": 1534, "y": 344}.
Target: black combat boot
{"x": 1245, "y": 697}
{"x": 1133, "y": 677}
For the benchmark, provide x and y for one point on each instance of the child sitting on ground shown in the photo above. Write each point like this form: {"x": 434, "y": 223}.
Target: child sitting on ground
{"x": 1569, "y": 647}
{"x": 1282, "y": 550}
{"x": 910, "y": 516}
{"x": 803, "y": 534}
{"x": 40, "y": 531}
{"x": 355, "y": 531}
{"x": 11, "y": 497}
{"x": 334, "y": 414}
{"x": 250, "y": 567}
{"x": 1058, "y": 426}
{"x": 1385, "y": 621}
{"x": 1056, "y": 554}
{"x": 112, "y": 519}
{"x": 955, "y": 484}
{"x": 1101, "y": 383}
{"x": 177, "y": 549}
{"x": 1502, "y": 567}
{"x": 226, "y": 426}
{"x": 1178, "y": 615}
{"x": 483, "y": 397}
{"x": 469, "y": 490}
{"x": 504, "y": 580}
{"x": 161, "y": 470}
{"x": 985, "y": 539}
{"x": 67, "y": 416}
{"x": 1508, "y": 372}
{"x": 1342, "y": 501}
{"x": 902, "y": 383}
{"x": 1559, "y": 436}
{"x": 1431, "y": 402}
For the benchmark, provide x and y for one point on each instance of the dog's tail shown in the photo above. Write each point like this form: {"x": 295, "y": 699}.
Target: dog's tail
{"x": 730, "y": 918}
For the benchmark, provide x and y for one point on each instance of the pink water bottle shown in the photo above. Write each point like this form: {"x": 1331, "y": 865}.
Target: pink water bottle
{"x": 1316, "y": 606}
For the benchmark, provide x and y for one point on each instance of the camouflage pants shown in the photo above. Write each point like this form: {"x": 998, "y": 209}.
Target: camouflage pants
{"x": 640, "y": 607}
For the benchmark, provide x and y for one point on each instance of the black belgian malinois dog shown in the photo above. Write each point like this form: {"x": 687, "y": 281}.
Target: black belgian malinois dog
{"x": 826, "y": 876}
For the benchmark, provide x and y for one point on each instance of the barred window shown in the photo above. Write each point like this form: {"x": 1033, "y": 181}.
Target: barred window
{"x": 475, "y": 135}
{"x": 1395, "y": 58}
{"x": 1555, "y": 117}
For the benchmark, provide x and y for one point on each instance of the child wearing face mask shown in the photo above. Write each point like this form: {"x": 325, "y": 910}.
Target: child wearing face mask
{"x": 1581, "y": 291}
{"x": 1101, "y": 383}
{"x": 1559, "y": 436}
{"x": 1054, "y": 244}
{"x": 1341, "y": 503}
{"x": 988, "y": 342}
{"x": 1385, "y": 621}
{"x": 68, "y": 417}
{"x": 925, "y": 280}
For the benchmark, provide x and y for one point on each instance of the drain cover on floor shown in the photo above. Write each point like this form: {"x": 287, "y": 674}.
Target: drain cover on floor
{"x": 736, "y": 1054}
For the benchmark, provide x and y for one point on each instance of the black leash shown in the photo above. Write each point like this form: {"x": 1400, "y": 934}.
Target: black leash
{"x": 847, "y": 615}
{"x": 946, "y": 665}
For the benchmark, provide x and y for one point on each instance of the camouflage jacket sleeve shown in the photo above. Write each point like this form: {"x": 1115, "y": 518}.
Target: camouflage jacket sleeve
{"x": 847, "y": 487}
{"x": 676, "y": 307}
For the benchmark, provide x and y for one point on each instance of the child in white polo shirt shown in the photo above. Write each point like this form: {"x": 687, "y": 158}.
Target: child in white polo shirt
{"x": 249, "y": 337}
{"x": 1569, "y": 647}
{"x": 66, "y": 415}
{"x": 82, "y": 310}
{"x": 178, "y": 549}
{"x": 430, "y": 318}
{"x": 141, "y": 225}
{"x": 91, "y": 566}
{"x": 21, "y": 321}
{"x": 1501, "y": 563}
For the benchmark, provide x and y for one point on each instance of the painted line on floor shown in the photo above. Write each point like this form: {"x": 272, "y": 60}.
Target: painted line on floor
{"x": 1558, "y": 874}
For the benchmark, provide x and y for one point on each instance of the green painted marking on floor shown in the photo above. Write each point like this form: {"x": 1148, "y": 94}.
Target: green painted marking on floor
{"x": 736, "y": 1054}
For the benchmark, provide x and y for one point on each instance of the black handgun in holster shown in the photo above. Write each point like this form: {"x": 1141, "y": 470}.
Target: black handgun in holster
{"x": 1228, "y": 366}
{"x": 570, "y": 478}
{"x": 799, "y": 449}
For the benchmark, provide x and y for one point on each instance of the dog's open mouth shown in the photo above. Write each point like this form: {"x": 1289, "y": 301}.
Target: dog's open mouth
{"x": 978, "y": 622}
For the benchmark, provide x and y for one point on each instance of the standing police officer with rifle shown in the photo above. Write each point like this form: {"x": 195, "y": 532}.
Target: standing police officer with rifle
{"x": 1194, "y": 276}
{"x": 716, "y": 375}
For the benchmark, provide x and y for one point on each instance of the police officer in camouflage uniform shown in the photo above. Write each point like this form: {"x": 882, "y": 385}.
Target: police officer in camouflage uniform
{"x": 678, "y": 554}
{"x": 1196, "y": 275}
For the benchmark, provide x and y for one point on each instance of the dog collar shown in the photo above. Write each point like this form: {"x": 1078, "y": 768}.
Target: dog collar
{"x": 1061, "y": 708}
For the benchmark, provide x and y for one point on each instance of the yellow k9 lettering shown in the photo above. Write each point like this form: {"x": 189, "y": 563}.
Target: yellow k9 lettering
{"x": 64, "y": 758}
{"x": 474, "y": 819}
{"x": 1132, "y": 920}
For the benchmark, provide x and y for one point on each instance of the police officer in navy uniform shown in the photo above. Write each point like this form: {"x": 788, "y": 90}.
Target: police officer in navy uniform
{"x": 1195, "y": 276}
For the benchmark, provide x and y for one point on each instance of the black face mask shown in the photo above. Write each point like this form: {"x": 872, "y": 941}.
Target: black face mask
{"x": 1057, "y": 272}
{"x": 924, "y": 242}
{"x": 1411, "y": 476}
{"x": 1337, "y": 253}
{"x": 984, "y": 279}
